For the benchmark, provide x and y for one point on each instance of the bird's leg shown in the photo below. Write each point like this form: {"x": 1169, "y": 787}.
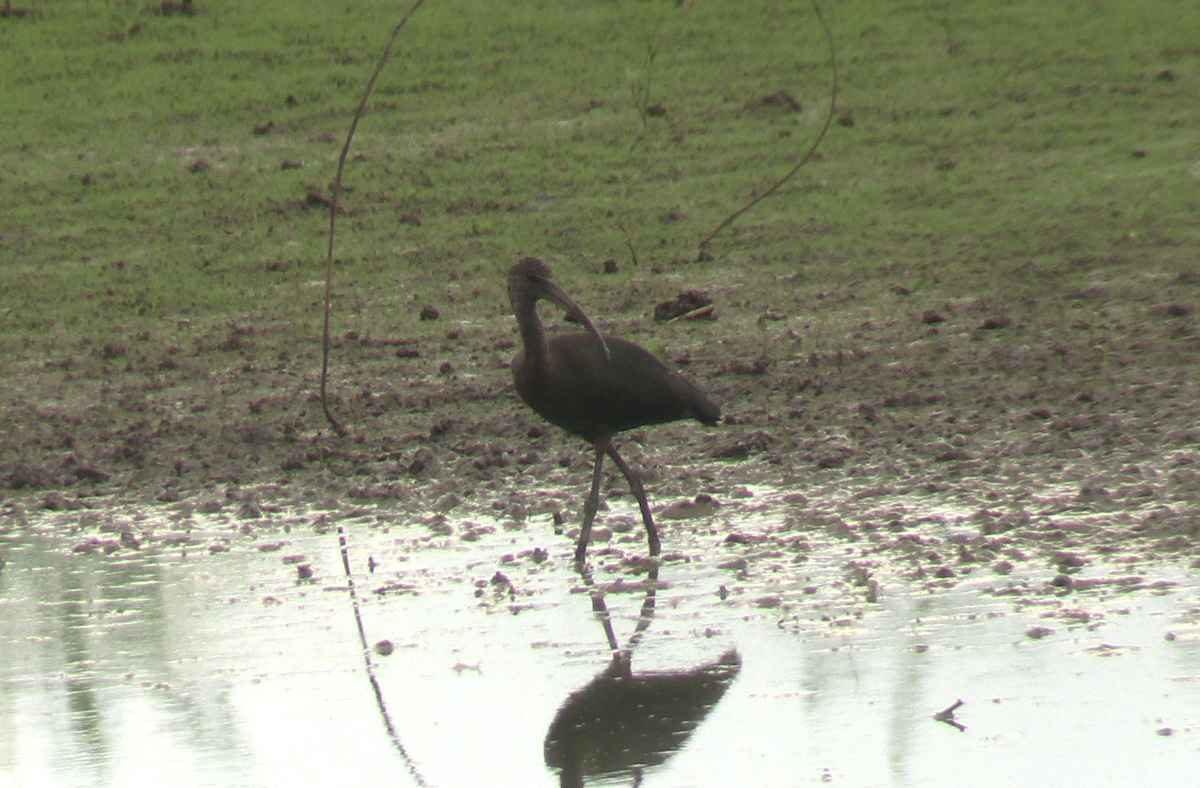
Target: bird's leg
{"x": 635, "y": 485}
{"x": 593, "y": 503}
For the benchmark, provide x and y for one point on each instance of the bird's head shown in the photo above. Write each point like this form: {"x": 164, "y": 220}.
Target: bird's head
{"x": 531, "y": 280}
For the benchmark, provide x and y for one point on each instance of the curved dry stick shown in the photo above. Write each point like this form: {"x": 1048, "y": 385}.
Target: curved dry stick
{"x": 335, "y": 205}
{"x": 366, "y": 650}
{"x": 828, "y": 119}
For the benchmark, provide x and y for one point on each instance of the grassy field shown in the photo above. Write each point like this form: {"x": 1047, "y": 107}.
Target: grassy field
{"x": 982, "y": 146}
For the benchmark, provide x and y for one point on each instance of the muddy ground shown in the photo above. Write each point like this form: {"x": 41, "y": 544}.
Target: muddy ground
{"x": 939, "y": 434}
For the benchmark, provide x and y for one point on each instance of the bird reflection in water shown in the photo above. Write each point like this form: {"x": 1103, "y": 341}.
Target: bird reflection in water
{"x": 622, "y": 722}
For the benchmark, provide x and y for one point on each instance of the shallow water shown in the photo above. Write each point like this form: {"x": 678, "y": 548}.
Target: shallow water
{"x": 171, "y": 664}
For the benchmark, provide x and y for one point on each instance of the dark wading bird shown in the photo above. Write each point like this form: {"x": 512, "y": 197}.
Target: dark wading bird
{"x": 595, "y": 386}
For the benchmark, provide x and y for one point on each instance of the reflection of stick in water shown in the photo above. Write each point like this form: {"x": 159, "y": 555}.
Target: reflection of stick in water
{"x": 366, "y": 651}
{"x": 624, "y": 721}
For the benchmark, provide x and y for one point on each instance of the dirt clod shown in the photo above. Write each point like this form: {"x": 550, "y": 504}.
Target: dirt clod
{"x": 781, "y": 98}
{"x": 92, "y": 474}
{"x": 685, "y": 302}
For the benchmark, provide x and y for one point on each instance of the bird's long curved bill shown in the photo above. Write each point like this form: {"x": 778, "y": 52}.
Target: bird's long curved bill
{"x": 553, "y": 292}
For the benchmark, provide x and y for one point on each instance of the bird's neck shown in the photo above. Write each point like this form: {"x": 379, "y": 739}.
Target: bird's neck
{"x": 533, "y": 338}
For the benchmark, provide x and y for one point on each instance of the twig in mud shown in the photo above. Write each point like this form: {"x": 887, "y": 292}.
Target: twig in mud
{"x": 629, "y": 242}
{"x": 335, "y": 204}
{"x": 695, "y": 314}
{"x": 946, "y": 715}
{"x": 640, "y": 93}
{"x": 813, "y": 149}
{"x": 366, "y": 651}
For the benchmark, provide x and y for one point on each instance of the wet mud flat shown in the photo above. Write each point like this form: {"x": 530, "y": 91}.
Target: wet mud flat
{"x": 1062, "y": 429}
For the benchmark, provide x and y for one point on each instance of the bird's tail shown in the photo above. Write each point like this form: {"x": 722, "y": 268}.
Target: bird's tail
{"x": 703, "y": 409}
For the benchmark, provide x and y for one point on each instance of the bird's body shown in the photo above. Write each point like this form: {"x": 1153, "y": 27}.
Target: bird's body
{"x": 595, "y": 386}
{"x": 580, "y": 392}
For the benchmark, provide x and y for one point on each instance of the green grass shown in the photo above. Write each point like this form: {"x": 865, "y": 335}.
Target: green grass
{"x": 992, "y": 148}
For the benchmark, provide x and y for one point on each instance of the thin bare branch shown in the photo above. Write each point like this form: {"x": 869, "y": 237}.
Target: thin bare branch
{"x": 629, "y": 242}
{"x": 335, "y": 205}
{"x": 828, "y": 119}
